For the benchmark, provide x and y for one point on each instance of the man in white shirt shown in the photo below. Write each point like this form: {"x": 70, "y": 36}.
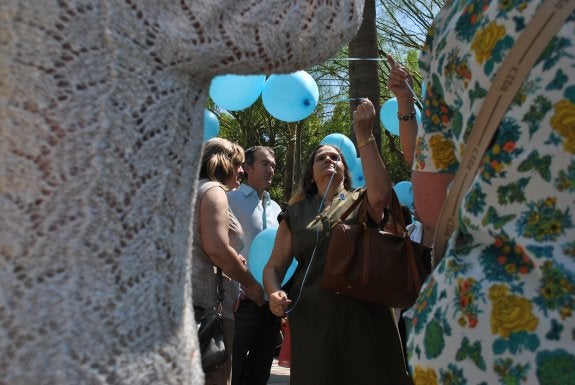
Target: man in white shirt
{"x": 256, "y": 328}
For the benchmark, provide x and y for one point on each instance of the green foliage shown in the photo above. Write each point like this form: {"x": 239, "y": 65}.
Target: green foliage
{"x": 340, "y": 120}
{"x": 401, "y": 28}
{"x": 393, "y": 159}
{"x": 254, "y": 126}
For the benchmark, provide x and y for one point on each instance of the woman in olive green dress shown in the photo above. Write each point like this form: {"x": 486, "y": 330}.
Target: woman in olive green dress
{"x": 334, "y": 339}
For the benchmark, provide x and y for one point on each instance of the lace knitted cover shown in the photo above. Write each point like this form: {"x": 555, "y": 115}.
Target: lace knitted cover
{"x": 101, "y": 108}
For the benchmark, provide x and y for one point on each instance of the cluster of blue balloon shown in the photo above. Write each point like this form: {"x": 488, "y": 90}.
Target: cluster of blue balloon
{"x": 388, "y": 116}
{"x": 260, "y": 252}
{"x": 349, "y": 152}
{"x": 287, "y": 97}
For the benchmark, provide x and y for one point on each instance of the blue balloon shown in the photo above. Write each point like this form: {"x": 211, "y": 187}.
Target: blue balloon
{"x": 290, "y": 97}
{"x": 260, "y": 252}
{"x": 357, "y": 177}
{"x": 211, "y": 125}
{"x": 290, "y": 271}
{"x": 236, "y": 92}
{"x": 345, "y": 145}
{"x": 388, "y": 116}
{"x": 404, "y": 192}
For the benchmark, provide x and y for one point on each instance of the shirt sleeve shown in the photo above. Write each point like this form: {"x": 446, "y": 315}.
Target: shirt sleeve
{"x": 285, "y": 216}
{"x": 435, "y": 147}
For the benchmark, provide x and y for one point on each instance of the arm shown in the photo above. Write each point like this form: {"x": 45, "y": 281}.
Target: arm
{"x": 405, "y": 104}
{"x": 429, "y": 188}
{"x": 275, "y": 270}
{"x": 214, "y": 222}
{"x": 377, "y": 180}
{"x": 429, "y": 193}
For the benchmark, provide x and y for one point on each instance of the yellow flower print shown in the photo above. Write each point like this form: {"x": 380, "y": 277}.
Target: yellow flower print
{"x": 497, "y": 291}
{"x": 485, "y": 41}
{"x": 442, "y": 152}
{"x": 496, "y": 149}
{"x": 510, "y": 313}
{"x": 564, "y": 123}
{"x": 424, "y": 376}
{"x": 510, "y": 268}
{"x": 533, "y": 218}
{"x": 565, "y": 312}
{"x": 550, "y": 201}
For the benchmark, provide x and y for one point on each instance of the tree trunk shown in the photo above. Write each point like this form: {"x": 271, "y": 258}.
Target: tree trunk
{"x": 363, "y": 74}
{"x": 290, "y": 163}
{"x": 298, "y": 153}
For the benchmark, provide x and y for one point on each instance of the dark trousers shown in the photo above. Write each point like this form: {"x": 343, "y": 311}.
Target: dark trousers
{"x": 255, "y": 340}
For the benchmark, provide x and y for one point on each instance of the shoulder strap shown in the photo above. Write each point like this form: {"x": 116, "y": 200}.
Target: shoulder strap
{"x": 219, "y": 285}
{"x": 349, "y": 210}
{"x": 219, "y": 290}
{"x": 544, "y": 24}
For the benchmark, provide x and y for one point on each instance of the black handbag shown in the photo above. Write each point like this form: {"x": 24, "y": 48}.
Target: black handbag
{"x": 367, "y": 263}
{"x": 211, "y": 330}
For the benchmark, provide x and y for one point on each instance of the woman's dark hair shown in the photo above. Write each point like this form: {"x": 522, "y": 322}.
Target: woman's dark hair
{"x": 307, "y": 187}
{"x": 406, "y": 215}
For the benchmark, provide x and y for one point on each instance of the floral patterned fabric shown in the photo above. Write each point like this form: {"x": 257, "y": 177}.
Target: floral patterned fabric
{"x": 499, "y": 308}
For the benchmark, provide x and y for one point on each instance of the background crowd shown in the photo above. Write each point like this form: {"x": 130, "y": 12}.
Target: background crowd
{"x": 498, "y": 308}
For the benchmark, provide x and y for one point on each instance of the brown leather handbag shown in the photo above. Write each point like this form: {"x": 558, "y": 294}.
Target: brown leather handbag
{"x": 367, "y": 263}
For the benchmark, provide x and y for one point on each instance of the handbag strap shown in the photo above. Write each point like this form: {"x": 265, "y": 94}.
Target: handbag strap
{"x": 349, "y": 210}
{"x": 545, "y": 23}
{"x": 219, "y": 289}
{"x": 396, "y": 213}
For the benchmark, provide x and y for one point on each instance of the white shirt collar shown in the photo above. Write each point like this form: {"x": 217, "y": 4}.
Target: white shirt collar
{"x": 247, "y": 190}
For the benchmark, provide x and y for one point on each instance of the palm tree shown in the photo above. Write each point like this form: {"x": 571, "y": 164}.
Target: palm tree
{"x": 363, "y": 74}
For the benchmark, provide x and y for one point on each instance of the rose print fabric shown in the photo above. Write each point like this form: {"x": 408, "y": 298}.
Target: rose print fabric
{"x": 500, "y": 307}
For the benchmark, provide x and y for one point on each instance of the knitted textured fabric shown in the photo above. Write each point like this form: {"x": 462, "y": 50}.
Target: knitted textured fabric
{"x": 101, "y": 108}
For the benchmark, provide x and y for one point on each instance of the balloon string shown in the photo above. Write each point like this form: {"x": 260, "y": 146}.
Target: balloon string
{"x": 384, "y": 59}
{"x": 419, "y": 104}
{"x": 339, "y": 100}
{"x": 417, "y": 101}
{"x": 358, "y": 58}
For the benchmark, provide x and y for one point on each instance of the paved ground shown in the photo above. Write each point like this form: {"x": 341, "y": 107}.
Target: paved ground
{"x": 279, "y": 375}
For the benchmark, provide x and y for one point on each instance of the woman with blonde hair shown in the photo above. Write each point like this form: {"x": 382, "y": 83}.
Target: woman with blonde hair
{"x": 217, "y": 239}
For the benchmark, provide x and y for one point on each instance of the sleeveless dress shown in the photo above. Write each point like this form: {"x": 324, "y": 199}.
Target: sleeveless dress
{"x": 335, "y": 339}
{"x": 203, "y": 270}
{"x": 500, "y": 307}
